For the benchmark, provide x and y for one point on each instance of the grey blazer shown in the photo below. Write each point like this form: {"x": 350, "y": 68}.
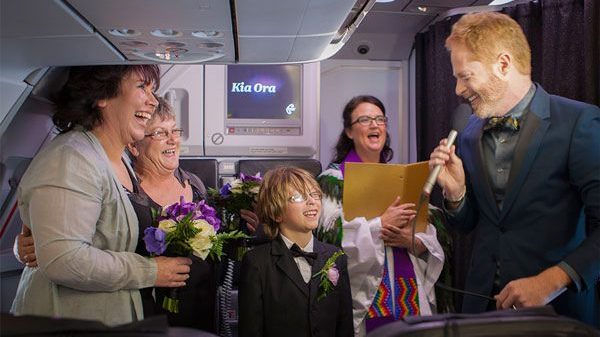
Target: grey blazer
{"x": 85, "y": 233}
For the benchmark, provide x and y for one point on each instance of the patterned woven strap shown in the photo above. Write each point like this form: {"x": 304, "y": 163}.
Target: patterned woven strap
{"x": 382, "y": 304}
{"x": 405, "y": 290}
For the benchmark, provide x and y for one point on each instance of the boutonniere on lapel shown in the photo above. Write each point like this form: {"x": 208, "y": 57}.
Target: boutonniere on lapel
{"x": 328, "y": 275}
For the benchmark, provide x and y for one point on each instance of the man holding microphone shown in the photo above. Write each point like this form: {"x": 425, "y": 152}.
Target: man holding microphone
{"x": 526, "y": 177}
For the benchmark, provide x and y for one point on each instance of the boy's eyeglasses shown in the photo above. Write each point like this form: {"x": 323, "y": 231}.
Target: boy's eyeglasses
{"x": 298, "y": 198}
{"x": 164, "y": 134}
{"x": 366, "y": 120}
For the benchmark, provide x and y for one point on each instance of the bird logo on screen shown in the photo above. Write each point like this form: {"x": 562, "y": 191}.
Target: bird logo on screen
{"x": 290, "y": 109}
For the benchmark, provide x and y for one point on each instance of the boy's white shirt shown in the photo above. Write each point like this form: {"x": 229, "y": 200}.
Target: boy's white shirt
{"x": 303, "y": 266}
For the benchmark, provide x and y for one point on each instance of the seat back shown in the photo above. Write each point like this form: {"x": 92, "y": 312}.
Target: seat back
{"x": 528, "y": 322}
{"x": 253, "y": 166}
{"x": 206, "y": 169}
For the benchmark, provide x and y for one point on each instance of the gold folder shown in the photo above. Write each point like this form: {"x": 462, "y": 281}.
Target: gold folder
{"x": 369, "y": 189}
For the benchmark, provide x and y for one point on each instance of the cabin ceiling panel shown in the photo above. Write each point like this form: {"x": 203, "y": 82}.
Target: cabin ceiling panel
{"x": 157, "y": 14}
{"x": 265, "y": 50}
{"x": 74, "y": 50}
{"x": 324, "y": 16}
{"x": 389, "y": 29}
{"x": 392, "y": 23}
{"x": 259, "y": 17}
{"x": 42, "y": 19}
{"x": 308, "y": 48}
{"x": 178, "y": 24}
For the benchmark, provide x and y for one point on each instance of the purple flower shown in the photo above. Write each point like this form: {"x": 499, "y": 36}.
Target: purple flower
{"x": 225, "y": 190}
{"x": 203, "y": 211}
{"x": 154, "y": 239}
{"x": 333, "y": 275}
{"x": 178, "y": 211}
{"x": 257, "y": 178}
{"x": 213, "y": 221}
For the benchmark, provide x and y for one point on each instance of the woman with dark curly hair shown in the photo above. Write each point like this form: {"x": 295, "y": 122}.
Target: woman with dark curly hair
{"x": 73, "y": 196}
{"x": 386, "y": 279}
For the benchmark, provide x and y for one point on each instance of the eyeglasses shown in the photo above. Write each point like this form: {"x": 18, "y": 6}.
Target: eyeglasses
{"x": 298, "y": 197}
{"x": 164, "y": 134}
{"x": 366, "y": 120}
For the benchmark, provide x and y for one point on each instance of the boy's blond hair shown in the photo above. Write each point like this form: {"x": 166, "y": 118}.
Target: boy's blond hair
{"x": 274, "y": 194}
{"x": 486, "y": 34}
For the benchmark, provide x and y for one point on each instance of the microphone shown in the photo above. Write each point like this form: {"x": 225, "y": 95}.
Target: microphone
{"x": 424, "y": 197}
{"x": 431, "y": 179}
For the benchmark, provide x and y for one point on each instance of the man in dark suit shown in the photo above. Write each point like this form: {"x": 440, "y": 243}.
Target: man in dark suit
{"x": 529, "y": 179}
{"x": 280, "y": 292}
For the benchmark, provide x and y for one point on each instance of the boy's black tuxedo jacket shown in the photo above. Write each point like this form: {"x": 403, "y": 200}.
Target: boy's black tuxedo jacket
{"x": 275, "y": 301}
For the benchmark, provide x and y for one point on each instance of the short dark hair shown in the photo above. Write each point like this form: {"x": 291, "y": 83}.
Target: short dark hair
{"x": 345, "y": 144}
{"x": 76, "y": 102}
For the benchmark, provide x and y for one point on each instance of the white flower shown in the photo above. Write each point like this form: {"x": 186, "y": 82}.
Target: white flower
{"x": 167, "y": 225}
{"x": 255, "y": 189}
{"x": 236, "y": 186}
{"x": 202, "y": 242}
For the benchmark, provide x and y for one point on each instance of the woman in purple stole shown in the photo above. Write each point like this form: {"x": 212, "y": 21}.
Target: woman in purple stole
{"x": 388, "y": 281}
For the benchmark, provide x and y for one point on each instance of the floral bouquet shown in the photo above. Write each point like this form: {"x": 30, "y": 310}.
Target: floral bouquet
{"x": 232, "y": 197}
{"x": 186, "y": 228}
{"x": 328, "y": 275}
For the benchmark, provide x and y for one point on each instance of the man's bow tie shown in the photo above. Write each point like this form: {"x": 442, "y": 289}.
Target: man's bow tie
{"x": 297, "y": 252}
{"x": 508, "y": 122}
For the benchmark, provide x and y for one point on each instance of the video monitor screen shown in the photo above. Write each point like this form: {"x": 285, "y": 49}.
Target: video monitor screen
{"x": 264, "y": 92}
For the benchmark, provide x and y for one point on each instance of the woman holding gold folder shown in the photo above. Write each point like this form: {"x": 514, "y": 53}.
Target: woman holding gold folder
{"x": 388, "y": 281}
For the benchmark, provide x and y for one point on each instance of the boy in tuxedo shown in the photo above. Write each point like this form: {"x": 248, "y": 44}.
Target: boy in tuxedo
{"x": 278, "y": 294}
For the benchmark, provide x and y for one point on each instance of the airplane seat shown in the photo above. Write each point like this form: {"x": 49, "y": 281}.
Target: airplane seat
{"x": 205, "y": 169}
{"x": 525, "y": 322}
{"x": 39, "y": 326}
{"x": 253, "y": 166}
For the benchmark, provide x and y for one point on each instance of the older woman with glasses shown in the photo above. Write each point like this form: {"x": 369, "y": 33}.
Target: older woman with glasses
{"x": 73, "y": 197}
{"x": 161, "y": 183}
{"x": 387, "y": 280}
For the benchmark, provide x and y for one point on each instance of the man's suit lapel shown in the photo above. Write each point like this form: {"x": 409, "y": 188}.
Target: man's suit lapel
{"x": 319, "y": 248}
{"x": 535, "y": 125}
{"x": 286, "y": 264}
{"x": 479, "y": 178}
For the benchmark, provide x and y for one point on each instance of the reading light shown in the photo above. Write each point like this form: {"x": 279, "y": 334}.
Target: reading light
{"x": 207, "y": 33}
{"x": 422, "y": 8}
{"x": 165, "y": 33}
{"x": 124, "y": 32}
{"x": 178, "y": 56}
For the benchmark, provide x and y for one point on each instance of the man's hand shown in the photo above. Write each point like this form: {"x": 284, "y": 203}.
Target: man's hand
{"x": 452, "y": 175}
{"x": 533, "y": 291}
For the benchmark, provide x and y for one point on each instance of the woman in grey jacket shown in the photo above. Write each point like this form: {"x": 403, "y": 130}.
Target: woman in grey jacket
{"x": 73, "y": 198}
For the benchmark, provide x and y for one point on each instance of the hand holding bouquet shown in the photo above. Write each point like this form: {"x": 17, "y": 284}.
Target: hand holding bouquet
{"x": 234, "y": 196}
{"x": 186, "y": 228}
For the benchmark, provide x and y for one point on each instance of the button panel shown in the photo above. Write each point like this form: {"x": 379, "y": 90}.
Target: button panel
{"x": 262, "y": 131}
